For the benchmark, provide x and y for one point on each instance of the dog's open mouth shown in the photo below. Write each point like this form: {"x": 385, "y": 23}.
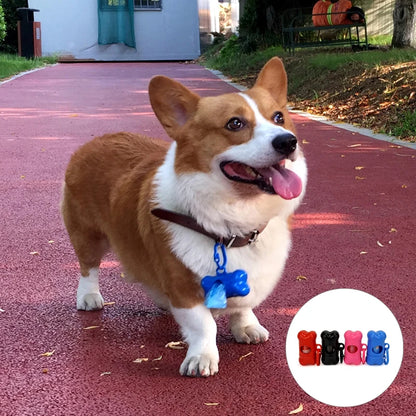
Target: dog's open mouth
{"x": 276, "y": 179}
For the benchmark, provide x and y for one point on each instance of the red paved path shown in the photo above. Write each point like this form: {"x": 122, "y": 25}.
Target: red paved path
{"x": 44, "y": 117}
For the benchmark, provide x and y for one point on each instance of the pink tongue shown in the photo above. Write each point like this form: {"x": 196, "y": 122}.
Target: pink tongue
{"x": 285, "y": 182}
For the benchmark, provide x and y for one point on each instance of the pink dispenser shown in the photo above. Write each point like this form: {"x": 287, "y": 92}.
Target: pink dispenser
{"x": 354, "y": 349}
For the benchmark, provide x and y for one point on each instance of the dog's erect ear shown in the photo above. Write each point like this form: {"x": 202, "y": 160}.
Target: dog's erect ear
{"x": 273, "y": 78}
{"x": 172, "y": 103}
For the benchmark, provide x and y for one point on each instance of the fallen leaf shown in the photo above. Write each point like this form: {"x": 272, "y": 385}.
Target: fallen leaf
{"x": 211, "y": 404}
{"x": 157, "y": 359}
{"x": 359, "y": 168}
{"x": 105, "y": 373}
{"x": 298, "y": 410}
{"x": 122, "y": 275}
{"x": 245, "y": 356}
{"x": 34, "y": 253}
{"x": 2, "y": 310}
{"x": 51, "y": 242}
{"x": 140, "y": 360}
{"x": 404, "y": 186}
{"x": 109, "y": 303}
{"x": 91, "y": 327}
{"x": 355, "y": 145}
{"x": 22, "y": 176}
{"x": 393, "y": 230}
{"x": 300, "y": 278}
{"x": 176, "y": 345}
{"x": 305, "y": 141}
{"x": 359, "y": 178}
{"x": 45, "y": 371}
{"x": 363, "y": 252}
{"x": 47, "y": 354}
{"x": 379, "y": 244}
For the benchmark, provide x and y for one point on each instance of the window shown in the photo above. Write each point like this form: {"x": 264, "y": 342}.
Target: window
{"x": 112, "y": 4}
{"x": 148, "y": 4}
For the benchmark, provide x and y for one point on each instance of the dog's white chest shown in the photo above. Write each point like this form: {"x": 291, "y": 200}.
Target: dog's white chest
{"x": 263, "y": 261}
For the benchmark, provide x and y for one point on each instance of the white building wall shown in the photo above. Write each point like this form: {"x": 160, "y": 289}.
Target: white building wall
{"x": 71, "y": 28}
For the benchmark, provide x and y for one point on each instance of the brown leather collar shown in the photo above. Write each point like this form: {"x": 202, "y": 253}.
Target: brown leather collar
{"x": 189, "y": 222}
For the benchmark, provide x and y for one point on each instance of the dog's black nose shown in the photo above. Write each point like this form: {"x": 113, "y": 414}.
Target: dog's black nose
{"x": 285, "y": 143}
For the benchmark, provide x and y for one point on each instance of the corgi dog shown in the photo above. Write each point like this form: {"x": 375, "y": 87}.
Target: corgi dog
{"x": 233, "y": 173}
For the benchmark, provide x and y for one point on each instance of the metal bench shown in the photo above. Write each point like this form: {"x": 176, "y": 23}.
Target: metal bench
{"x": 298, "y": 31}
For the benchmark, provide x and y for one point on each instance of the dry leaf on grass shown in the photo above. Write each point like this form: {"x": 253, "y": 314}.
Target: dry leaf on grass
{"x": 363, "y": 252}
{"x": 296, "y": 411}
{"x": 109, "y": 303}
{"x": 34, "y": 253}
{"x": 379, "y": 244}
{"x": 105, "y": 373}
{"x": 51, "y": 242}
{"x": 393, "y": 230}
{"x": 359, "y": 167}
{"x": 355, "y": 145}
{"x": 157, "y": 359}
{"x": 245, "y": 356}
{"x": 176, "y": 345}
{"x": 211, "y": 404}
{"x": 2, "y": 310}
{"x": 91, "y": 327}
{"x": 47, "y": 354}
{"x": 359, "y": 178}
{"x": 140, "y": 360}
{"x": 45, "y": 371}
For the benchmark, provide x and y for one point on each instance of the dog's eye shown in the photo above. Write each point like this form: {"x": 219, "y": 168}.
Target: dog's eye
{"x": 278, "y": 118}
{"x": 235, "y": 124}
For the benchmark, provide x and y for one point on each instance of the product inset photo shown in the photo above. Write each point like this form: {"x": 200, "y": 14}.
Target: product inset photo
{"x": 359, "y": 347}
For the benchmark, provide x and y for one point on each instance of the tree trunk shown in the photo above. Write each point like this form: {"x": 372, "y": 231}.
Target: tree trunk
{"x": 404, "y": 20}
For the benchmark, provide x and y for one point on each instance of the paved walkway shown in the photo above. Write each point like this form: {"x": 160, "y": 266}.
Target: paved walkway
{"x": 360, "y": 199}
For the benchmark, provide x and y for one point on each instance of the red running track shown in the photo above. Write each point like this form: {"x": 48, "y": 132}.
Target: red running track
{"x": 44, "y": 117}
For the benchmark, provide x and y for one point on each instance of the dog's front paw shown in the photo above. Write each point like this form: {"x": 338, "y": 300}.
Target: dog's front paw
{"x": 251, "y": 334}
{"x": 90, "y": 302}
{"x": 204, "y": 365}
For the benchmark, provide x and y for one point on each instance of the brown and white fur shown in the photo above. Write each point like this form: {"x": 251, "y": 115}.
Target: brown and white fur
{"x": 113, "y": 182}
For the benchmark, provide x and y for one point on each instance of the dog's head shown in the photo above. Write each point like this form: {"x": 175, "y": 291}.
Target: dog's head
{"x": 244, "y": 139}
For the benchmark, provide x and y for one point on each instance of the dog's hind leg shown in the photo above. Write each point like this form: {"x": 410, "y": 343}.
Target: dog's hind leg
{"x": 90, "y": 246}
{"x": 246, "y": 328}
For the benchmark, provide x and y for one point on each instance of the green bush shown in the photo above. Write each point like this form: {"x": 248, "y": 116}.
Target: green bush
{"x": 2, "y": 24}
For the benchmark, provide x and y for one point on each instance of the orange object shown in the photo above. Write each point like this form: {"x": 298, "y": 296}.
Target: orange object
{"x": 325, "y": 13}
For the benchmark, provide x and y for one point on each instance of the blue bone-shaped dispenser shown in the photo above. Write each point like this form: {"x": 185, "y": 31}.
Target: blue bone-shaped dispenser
{"x": 223, "y": 285}
{"x": 377, "y": 348}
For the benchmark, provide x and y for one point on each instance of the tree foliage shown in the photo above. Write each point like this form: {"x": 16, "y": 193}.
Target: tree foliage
{"x": 2, "y": 24}
{"x": 10, "y": 16}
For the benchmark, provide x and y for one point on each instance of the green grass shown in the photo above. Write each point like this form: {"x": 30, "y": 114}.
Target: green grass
{"x": 406, "y": 126}
{"x": 11, "y": 64}
{"x": 372, "y": 58}
{"x": 229, "y": 58}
